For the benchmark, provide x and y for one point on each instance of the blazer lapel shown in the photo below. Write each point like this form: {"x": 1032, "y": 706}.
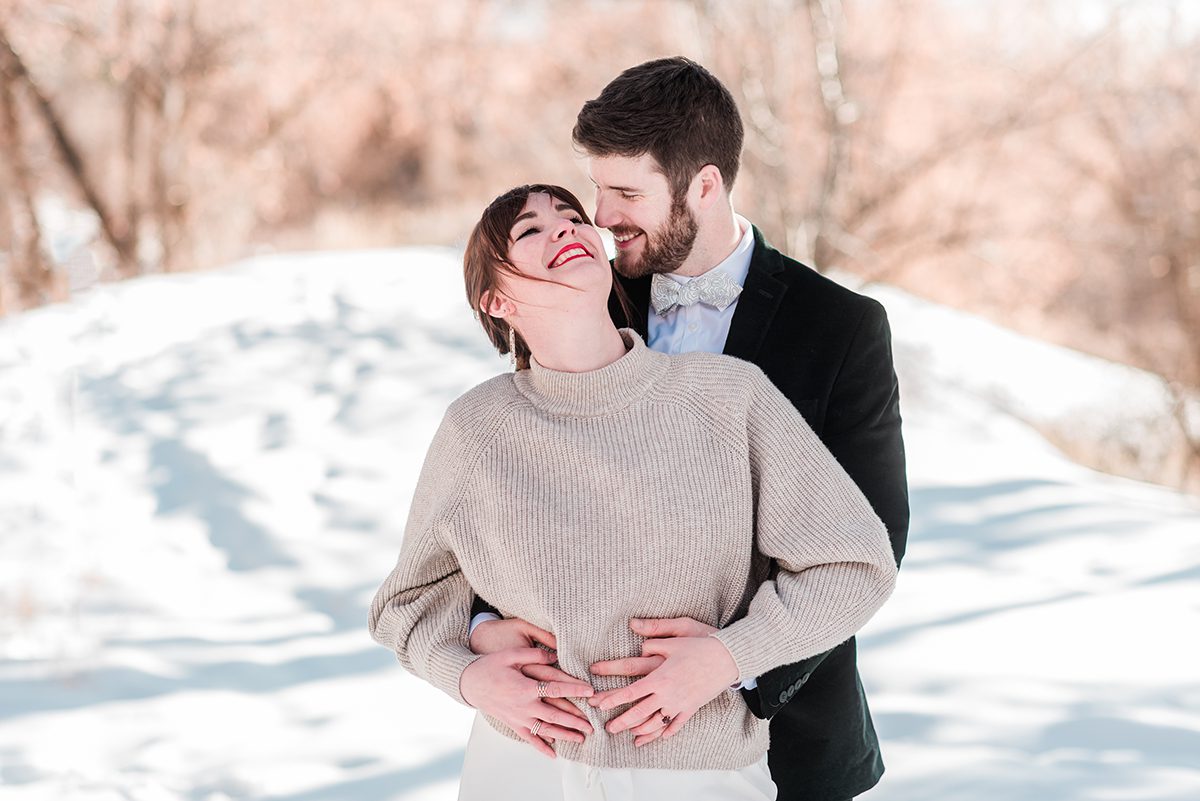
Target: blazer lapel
{"x": 756, "y": 306}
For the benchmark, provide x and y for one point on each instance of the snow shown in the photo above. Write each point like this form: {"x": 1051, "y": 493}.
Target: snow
{"x": 205, "y": 477}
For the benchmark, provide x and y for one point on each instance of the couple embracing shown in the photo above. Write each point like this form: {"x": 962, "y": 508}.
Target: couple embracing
{"x": 645, "y": 553}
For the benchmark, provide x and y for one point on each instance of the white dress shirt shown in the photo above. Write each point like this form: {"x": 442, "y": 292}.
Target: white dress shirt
{"x": 700, "y": 327}
{"x": 692, "y": 329}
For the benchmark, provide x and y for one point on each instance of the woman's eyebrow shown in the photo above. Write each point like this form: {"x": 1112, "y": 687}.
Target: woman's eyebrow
{"x": 530, "y": 214}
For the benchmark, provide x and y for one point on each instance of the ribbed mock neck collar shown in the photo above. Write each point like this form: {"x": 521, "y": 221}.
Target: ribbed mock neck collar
{"x": 595, "y": 392}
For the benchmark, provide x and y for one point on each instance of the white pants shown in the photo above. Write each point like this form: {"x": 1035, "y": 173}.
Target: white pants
{"x": 499, "y": 769}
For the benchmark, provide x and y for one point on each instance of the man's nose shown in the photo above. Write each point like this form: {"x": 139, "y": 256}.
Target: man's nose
{"x": 604, "y": 214}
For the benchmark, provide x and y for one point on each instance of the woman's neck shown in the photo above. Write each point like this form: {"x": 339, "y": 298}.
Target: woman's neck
{"x": 574, "y": 344}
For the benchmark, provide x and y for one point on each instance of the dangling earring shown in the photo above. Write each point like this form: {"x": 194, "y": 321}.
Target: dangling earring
{"x": 512, "y": 343}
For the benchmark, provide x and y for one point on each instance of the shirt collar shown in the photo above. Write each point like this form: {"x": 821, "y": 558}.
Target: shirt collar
{"x": 737, "y": 263}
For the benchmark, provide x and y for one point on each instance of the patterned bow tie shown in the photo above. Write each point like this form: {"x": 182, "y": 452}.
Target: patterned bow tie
{"x": 713, "y": 289}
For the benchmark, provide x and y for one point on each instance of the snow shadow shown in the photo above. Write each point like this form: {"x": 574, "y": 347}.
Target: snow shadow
{"x": 104, "y": 685}
{"x": 1085, "y": 737}
{"x": 396, "y": 784}
{"x": 333, "y": 358}
{"x": 156, "y": 413}
{"x": 183, "y": 480}
{"x": 1004, "y": 516}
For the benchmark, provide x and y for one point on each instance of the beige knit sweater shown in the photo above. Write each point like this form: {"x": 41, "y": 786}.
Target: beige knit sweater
{"x": 647, "y": 488}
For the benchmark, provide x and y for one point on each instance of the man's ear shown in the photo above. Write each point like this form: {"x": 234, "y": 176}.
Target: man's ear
{"x": 494, "y": 304}
{"x": 708, "y": 185}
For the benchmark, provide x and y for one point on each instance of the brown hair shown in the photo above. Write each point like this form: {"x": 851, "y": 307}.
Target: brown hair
{"x": 486, "y": 257}
{"x": 671, "y": 108}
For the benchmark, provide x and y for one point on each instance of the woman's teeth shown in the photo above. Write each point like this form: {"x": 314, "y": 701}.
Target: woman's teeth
{"x": 567, "y": 255}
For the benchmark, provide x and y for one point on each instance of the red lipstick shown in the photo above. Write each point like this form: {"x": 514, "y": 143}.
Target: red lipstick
{"x": 580, "y": 253}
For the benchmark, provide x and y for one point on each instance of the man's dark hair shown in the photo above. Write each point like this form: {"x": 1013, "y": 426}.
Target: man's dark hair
{"x": 671, "y": 108}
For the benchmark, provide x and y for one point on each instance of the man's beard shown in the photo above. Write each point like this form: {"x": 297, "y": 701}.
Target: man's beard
{"x": 666, "y": 251}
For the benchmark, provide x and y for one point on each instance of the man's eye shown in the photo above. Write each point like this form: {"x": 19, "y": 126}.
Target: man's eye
{"x": 629, "y": 196}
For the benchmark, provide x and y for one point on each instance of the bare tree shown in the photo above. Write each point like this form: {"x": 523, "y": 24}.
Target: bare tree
{"x": 1136, "y": 150}
{"x": 31, "y": 274}
{"x": 828, "y": 26}
{"x": 69, "y": 152}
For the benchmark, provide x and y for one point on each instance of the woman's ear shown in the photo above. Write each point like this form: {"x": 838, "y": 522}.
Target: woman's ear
{"x": 494, "y": 304}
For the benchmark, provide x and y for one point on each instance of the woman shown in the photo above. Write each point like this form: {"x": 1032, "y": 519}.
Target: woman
{"x": 602, "y": 482}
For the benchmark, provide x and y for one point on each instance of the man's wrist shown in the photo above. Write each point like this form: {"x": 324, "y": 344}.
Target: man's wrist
{"x": 482, "y": 617}
{"x": 740, "y": 684}
{"x": 732, "y": 663}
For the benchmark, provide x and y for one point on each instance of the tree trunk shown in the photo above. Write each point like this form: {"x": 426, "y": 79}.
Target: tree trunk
{"x": 127, "y": 226}
{"x": 826, "y": 16}
{"x": 31, "y": 275}
{"x": 14, "y": 68}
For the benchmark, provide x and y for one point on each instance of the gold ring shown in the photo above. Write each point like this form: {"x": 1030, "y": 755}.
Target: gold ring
{"x": 541, "y": 689}
{"x": 537, "y": 725}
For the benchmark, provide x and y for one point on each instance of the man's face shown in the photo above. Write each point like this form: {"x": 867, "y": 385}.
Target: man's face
{"x": 633, "y": 200}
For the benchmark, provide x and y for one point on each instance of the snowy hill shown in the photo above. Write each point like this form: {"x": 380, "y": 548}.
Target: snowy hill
{"x": 205, "y": 477}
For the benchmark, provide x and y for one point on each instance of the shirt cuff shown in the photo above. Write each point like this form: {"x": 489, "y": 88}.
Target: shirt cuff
{"x": 482, "y": 617}
{"x": 746, "y": 684}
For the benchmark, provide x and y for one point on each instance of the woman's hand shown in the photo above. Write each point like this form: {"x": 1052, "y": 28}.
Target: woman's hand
{"x": 536, "y": 710}
{"x": 652, "y": 727}
{"x": 694, "y": 670}
{"x": 651, "y": 628}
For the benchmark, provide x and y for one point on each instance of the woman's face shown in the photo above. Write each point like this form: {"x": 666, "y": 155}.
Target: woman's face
{"x": 550, "y": 241}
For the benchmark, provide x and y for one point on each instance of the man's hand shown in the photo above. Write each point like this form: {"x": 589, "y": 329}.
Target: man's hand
{"x": 500, "y": 635}
{"x": 683, "y": 671}
{"x": 536, "y": 710}
{"x": 493, "y": 636}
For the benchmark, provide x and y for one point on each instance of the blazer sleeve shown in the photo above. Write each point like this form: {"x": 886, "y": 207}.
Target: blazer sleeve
{"x": 480, "y": 605}
{"x": 423, "y": 608}
{"x": 862, "y": 431}
{"x": 862, "y": 424}
{"x": 835, "y": 565}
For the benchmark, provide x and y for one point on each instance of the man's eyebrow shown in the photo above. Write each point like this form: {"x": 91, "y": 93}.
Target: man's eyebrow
{"x": 629, "y": 190}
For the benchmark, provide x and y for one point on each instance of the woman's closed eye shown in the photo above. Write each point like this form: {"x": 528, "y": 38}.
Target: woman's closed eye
{"x": 533, "y": 229}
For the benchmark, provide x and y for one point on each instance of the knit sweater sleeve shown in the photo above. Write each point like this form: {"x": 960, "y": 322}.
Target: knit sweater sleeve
{"x": 835, "y": 563}
{"x": 423, "y": 608}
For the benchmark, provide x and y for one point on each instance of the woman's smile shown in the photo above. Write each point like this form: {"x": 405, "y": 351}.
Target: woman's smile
{"x": 569, "y": 253}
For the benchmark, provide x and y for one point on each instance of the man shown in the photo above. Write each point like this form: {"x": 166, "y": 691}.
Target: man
{"x": 664, "y": 142}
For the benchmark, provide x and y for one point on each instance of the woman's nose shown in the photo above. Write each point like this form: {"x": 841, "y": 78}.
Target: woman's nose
{"x": 564, "y": 227}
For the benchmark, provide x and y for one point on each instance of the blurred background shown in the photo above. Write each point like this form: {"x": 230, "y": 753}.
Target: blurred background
{"x": 197, "y": 456}
{"x": 1033, "y": 161}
